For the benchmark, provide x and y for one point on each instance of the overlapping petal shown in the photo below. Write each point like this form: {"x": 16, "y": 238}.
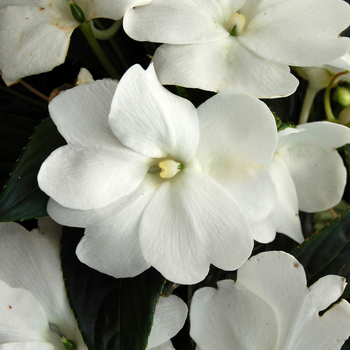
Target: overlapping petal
{"x": 31, "y": 261}
{"x": 238, "y": 139}
{"x": 169, "y": 318}
{"x": 219, "y": 321}
{"x": 272, "y": 287}
{"x": 81, "y": 115}
{"x": 314, "y": 164}
{"x": 285, "y": 216}
{"x": 192, "y": 222}
{"x": 313, "y": 26}
{"x": 111, "y": 241}
{"x": 150, "y": 120}
{"x": 200, "y": 53}
{"x": 23, "y": 320}
{"x": 177, "y": 22}
{"x": 109, "y": 8}
{"x": 227, "y": 64}
{"x": 83, "y": 178}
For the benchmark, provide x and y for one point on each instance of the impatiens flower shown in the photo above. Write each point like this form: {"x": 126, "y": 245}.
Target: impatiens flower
{"x": 309, "y": 174}
{"x": 248, "y": 44}
{"x": 319, "y": 78}
{"x": 156, "y": 182}
{"x": 35, "y": 313}
{"x": 35, "y": 34}
{"x": 169, "y": 318}
{"x": 270, "y": 307}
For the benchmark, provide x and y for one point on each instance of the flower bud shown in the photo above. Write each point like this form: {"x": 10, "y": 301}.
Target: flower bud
{"x": 342, "y": 96}
{"x": 77, "y": 12}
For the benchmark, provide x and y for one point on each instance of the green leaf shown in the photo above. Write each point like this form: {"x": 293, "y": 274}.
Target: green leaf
{"x": 21, "y": 198}
{"x": 346, "y": 149}
{"x": 112, "y": 314}
{"x": 326, "y": 251}
{"x": 14, "y": 133}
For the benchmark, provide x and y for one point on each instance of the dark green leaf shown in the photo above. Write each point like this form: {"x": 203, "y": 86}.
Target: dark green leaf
{"x": 14, "y": 133}
{"x": 326, "y": 251}
{"x": 21, "y": 198}
{"x": 113, "y": 314}
{"x": 345, "y": 272}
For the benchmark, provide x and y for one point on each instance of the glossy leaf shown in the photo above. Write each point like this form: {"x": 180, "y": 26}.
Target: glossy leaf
{"x": 326, "y": 251}
{"x": 21, "y": 198}
{"x": 113, "y": 314}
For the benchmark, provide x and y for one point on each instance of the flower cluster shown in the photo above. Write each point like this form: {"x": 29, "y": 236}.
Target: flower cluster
{"x": 160, "y": 187}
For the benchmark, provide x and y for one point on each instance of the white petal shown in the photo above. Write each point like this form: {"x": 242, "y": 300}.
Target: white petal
{"x": 238, "y": 138}
{"x": 310, "y": 331}
{"x": 150, "y": 120}
{"x": 221, "y": 64}
{"x": 286, "y": 212}
{"x": 192, "y": 222}
{"x": 22, "y": 317}
{"x": 31, "y": 260}
{"x": 279, "y": 279}
{"x": 83, "y": 178}
{"x": 169, "y": 318}
{"x": 33, "y": 40}
{"x": 299, "y": 32}
{"x": 67, "y": 216}
{"x": 232, "y": 317}
{"x": 165, "y": 346}
{"x": 177, "y": 22}
{"x": 238, "y": 121}
{"x": 264, "y": 231}
{"x": 27, "y": 346}
{"x": 315, "y": 166}
{"x": 81, "y": 115}
{"x": 111, "y": 241}
{"x": 110, "y": 8}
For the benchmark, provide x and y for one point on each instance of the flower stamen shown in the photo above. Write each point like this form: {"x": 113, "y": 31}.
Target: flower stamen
{"x": 169, "y": 168}
{"x": 235, "y": 24}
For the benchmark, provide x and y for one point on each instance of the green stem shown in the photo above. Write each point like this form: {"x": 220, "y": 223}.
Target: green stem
{"x": 307, "y": 104}
{"x": 327, "y": 98}
{"x": 87, "y": 31}
{"x": 115, "y": 47}
{"x": 106, "y": 34}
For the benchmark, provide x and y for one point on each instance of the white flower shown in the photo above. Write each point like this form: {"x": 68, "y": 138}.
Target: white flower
{"x": 194, "y": 211}
{"x": 33, "y": 297}
{"x": 199, "y": 51}
{"x": 32, "y": 292}
{"x": 169, "y": 318}
{"x": 35, "y": 34}
{"x": 270, "y": 307}
{"x": 319, "y": 77}
{"x": 309, "y": 175}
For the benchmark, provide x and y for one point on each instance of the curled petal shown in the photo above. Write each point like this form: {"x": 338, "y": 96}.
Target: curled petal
{"x": 150, "y": 120}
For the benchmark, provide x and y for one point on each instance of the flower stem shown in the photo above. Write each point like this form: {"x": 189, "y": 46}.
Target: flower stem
{"x": 87, "y": 31}
{"x": 327, "y": 98}
{"x": 33, "y": 90}
{"x": 114, "y": 45}
{"x": 307, "y": 104}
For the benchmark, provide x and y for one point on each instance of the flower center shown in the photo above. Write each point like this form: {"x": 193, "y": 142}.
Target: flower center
{"x": 235, "y": 24}
{"x": 169, "y": 168}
